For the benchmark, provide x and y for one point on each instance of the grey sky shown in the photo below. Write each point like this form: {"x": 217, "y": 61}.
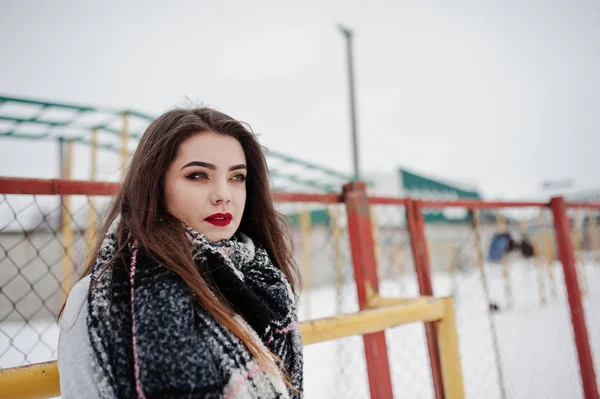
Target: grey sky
{"x": 500, "y": 94}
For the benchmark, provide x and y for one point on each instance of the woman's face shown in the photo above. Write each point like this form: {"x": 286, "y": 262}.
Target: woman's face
{"x": 205, "y": 186}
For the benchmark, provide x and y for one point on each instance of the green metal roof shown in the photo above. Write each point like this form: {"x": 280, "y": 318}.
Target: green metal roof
{"x": 29, "y": 119}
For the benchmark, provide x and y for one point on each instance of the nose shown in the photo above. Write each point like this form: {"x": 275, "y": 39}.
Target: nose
{"x": 221, "y": 194}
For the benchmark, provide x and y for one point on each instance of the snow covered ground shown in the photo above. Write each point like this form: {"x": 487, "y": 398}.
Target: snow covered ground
{"x": 536, "y": 352}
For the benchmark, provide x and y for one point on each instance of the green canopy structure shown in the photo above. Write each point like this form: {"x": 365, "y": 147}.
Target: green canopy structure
{"x": 118, "y": 131}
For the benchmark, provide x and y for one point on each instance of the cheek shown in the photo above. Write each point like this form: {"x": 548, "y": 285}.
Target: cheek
{"x": 180, "y": 199}
{"x": 171, "y": 199}
{"x": 240, "y": 198}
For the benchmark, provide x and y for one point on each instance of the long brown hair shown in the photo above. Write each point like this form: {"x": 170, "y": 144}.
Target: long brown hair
{"x": 140, "y": 203}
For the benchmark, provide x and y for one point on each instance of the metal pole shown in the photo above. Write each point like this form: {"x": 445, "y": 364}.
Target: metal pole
{"x": 416, "y": 229}
{"x": 67, "y": 227}
{"x": 91, "y": 227}
{"x": 567, "y": 258}
{"x": 61, "y": 175}
{"x": 305, "y": 230}
{"x": 348, "y": 36}
{"x": 365, "y": 274}
{"x": 124, "y": 141}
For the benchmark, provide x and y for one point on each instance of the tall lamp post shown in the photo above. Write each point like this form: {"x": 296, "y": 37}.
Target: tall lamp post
{"x": 348, "y": 37}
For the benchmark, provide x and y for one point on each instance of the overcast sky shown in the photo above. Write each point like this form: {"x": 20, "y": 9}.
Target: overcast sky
{"x": 502, "y": 94}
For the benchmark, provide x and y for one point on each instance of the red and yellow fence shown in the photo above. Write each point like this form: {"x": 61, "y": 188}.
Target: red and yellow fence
{"x": 42, "y": 380}
{"x": 356, "y": 253}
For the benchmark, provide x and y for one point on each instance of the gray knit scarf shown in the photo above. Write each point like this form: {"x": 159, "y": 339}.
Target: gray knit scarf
{"x": 152, "y": 339}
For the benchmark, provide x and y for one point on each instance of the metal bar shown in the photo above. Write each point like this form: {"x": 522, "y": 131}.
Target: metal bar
{"x": 309, "y": 165}
{"x": 11, "y": 134}
{"x": 479, "y": 204}
{"x": 302, "y": 197}
{"x": 450, "y": 353}
{"x": 61, "y": 171}
{"x": 376, "y": 301}
{"x": 584, "y": 205}
{"x": 306, "y": 268}
{"x": 51, "y": 137}
{"x": 117, "y": 132}
{"x": 80, "y": 108}
{"x": 26, "y": 186}
{"x": 67, "y": 227}
{"x": 386, "y": 201}
{"x": 365, "y": 272}
{"x": 124, "y": 142}
{"x": 42, "y": 380}
{"x": 36, "y": 381}
{"x": 91, "y": 225}
{"x": 24, "y": 135}
{"x": 45, "y": 103}
{"x": 12, "y": 185}
{"x": 368, "y": 322}
{"x": 416, "y": 226}
{"x": 141, "y": 115}
{"x": 33, "y": 119}
{"x": 582, "y": 341}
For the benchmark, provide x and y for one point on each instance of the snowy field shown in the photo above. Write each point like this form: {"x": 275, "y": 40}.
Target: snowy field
{"x": 536, "y": 352}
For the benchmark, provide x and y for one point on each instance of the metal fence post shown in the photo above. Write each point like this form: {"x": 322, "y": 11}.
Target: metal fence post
{"x": 567, "y": 258}
{"x": 416, "y": 226}
{"x": 365, "y": 272}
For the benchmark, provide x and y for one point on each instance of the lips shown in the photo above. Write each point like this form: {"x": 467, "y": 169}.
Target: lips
{"x": 220, "y": 219}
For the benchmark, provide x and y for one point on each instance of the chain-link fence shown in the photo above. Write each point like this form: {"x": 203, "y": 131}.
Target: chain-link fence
{"x": 452, "y": 252}
{"x": 516, "y": 334}
{"x": 585, "y": 225}
{"x": 320, "y": 238}
{"x": 407, "y": 345}
{"x": 43, "y": 242}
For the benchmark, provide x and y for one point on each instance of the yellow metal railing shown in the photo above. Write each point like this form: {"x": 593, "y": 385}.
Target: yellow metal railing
{"x": 42, "y": 380}
{"x": 34, "y": 381}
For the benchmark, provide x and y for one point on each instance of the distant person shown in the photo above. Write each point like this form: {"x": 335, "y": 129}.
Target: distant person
{"x": 192, "y": 292}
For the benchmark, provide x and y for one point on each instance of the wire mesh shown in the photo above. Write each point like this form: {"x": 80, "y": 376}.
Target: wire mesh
{"x": 454, "y": 272}
{"x": 336, "y": 368}
{"x": 515, "y": 332}
{"x": 407, "y": 345}
{"x": 512, "y": 307}
{"x": 40, "y": 259}
{"x": 534, "y": 312}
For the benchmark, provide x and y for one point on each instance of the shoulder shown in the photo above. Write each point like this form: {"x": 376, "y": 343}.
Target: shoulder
{"x": 76, "y": 300}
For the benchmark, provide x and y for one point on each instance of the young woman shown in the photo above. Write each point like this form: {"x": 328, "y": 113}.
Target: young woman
{"x": 192, "y": 292}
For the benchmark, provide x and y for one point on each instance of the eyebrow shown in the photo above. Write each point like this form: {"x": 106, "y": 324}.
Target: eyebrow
{"x": 211, "y": 166}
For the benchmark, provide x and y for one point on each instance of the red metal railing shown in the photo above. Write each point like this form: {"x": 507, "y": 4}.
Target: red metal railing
{"x": 365, "y": 268}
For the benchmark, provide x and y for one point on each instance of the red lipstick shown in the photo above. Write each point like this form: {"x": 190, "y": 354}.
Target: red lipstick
{"x": 220, "y": 219}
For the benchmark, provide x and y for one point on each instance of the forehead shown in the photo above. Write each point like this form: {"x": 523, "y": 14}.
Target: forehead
{"x": 220, "y": 150}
